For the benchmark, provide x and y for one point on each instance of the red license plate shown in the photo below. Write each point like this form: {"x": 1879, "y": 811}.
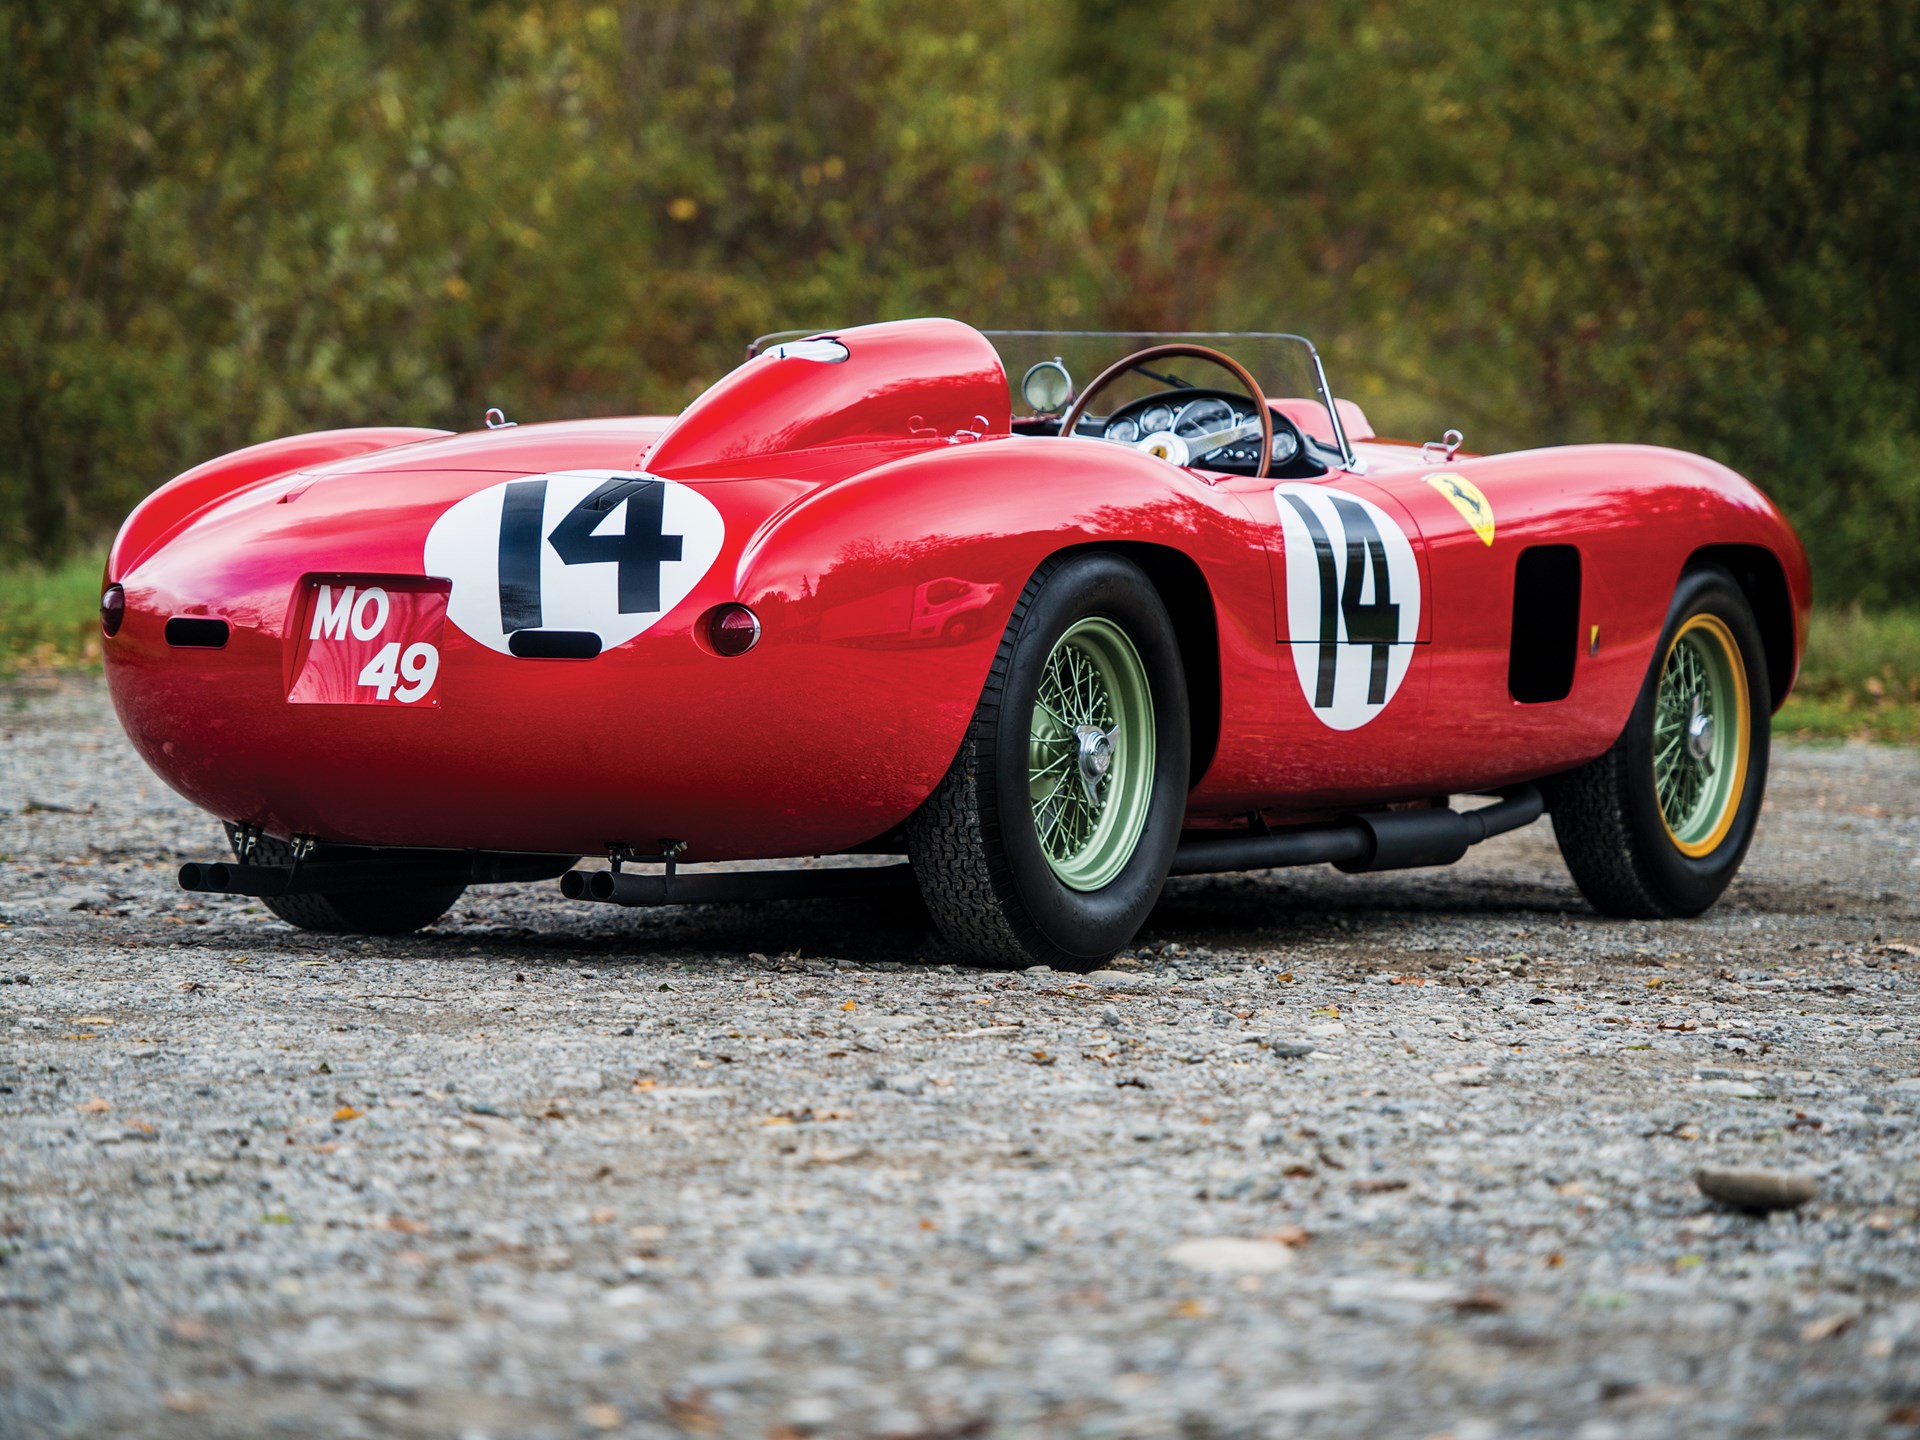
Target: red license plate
{"x": 369, "y": 642}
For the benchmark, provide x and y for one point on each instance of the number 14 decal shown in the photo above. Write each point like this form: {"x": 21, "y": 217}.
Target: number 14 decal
{"x": 1352, "y": 600}
{"x": 640, "y": 550}
{"x": 583, "y": 555}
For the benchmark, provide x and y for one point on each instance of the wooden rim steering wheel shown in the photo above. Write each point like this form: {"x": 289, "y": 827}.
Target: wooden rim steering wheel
{"x": 1167, "y": 445}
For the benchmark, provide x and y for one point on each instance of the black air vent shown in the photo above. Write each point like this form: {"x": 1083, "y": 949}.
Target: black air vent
{"x": 1546, "y": 624}
{"x": 191, "y": 634}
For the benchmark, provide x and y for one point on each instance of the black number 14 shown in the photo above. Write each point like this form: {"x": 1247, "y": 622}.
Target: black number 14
{"x": 1375, "y": 622}
{"x": 639, "y": 551}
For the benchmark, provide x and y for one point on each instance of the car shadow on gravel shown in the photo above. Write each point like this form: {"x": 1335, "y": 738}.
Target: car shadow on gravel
{"x": 527, "y": 926}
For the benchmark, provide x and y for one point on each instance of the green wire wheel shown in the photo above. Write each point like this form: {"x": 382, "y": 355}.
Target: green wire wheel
{"x": 1701, "y": 723}
{"x": 1657, "y": 827}
{"x": 1049, "y": 837}
{"x": 1091, "y": 754}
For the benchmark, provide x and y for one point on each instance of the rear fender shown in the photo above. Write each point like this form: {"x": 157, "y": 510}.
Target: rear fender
{"x": 172, "y": 507}
{"x": 856, "y": 566}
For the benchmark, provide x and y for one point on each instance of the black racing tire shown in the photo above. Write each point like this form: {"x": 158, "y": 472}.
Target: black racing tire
{"x": 369, "y": 913}
{"x": 975, "y": 843}
{"x": 1607, "y": 814}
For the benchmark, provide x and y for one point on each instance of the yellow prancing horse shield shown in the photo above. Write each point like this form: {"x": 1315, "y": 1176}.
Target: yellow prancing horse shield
{"x": 1467, "y": 498}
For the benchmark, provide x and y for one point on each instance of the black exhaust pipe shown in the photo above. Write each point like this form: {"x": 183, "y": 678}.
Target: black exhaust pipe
{"x": 407, "y": 871}
{"x": 626, "y": 887}
{"x": 1377, "y": 840}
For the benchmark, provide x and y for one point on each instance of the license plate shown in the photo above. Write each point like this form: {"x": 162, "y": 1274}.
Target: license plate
{"x": 370, "y": 642}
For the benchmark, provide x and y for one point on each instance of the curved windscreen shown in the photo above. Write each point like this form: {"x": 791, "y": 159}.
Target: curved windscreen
{"x": 1287, "y": 367}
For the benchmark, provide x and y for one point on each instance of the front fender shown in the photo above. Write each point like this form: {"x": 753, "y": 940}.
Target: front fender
{"x": 174, "y": 505}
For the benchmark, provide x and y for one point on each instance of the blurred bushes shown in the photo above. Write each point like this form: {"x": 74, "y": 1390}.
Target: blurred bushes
{"x": 1693, "y": 223}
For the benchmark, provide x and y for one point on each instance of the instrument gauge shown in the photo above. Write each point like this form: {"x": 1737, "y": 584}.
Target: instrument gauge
{"x": 1203, "y": 415}
{"x": 1156, "y": 417}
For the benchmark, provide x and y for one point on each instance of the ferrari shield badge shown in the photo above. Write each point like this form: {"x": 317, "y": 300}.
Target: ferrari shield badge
{"x": 1353, "y": 601}
{"x": 1470, "y": 500}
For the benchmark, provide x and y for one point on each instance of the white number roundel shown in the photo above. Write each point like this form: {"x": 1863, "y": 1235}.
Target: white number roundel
{"x": 1353, "y": 601}
{"x": 585, "y": 552}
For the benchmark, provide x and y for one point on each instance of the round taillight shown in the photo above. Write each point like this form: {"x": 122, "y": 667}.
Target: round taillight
{"x": 733, "y": 630}
{"x": 113, "y": 609}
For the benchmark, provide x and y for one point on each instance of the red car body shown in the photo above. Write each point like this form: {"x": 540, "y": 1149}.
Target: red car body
{"x": 880, "y": 518}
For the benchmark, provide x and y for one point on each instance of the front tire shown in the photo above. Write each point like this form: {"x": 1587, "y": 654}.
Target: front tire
{"x": 1050, "y": 836}
{"x": 380, "y": 912}
{"x": 1657, "y": 827}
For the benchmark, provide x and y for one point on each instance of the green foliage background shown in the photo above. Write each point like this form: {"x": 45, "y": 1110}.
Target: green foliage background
{"x": 1546, "y": 221}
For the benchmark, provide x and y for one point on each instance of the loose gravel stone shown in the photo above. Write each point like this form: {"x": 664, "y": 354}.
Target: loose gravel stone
{"x": 551, "y": 1170}
{"x": 1758, "y": 1191}
{"x": 1224, "y": 1255}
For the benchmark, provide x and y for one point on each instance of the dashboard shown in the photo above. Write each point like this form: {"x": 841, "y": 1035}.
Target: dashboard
{"x": 1189, "y": 413}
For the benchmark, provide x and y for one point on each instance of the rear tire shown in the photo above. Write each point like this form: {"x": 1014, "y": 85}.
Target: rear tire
{"x": 362, "y": 913}
{"x": 1035, "y": 849}
{"x": 1656, "y": 828}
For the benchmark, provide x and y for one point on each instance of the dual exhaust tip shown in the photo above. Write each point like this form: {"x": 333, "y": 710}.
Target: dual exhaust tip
{"x": 587, "y": 885}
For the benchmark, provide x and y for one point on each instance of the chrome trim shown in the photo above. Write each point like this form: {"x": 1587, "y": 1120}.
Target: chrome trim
{"x": 1355, "y": 465}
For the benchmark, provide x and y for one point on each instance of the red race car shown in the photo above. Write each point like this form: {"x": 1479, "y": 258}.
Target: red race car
{"x": 1052, "y": 616}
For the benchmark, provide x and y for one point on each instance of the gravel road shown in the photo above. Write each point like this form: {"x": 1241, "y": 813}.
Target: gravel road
{"x": 554, "y": 1169}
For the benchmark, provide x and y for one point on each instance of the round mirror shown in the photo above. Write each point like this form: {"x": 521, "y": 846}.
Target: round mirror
{"x": 1047, "y": 387}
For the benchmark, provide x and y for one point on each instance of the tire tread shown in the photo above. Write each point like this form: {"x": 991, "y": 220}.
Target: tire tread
{"x": 954, "y": 838}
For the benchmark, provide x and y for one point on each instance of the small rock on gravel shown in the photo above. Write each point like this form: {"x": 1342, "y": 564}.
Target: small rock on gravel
{"x": 1230, "y": 1255}
{"x": 1756, "y": 1191}
{"x": 1289, "y": 1049}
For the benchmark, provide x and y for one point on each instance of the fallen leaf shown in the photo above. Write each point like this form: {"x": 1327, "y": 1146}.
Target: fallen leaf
{"x": 1482, "y": 1300}
{"x": 81, "y": 1035}
{"x": 1292, "y": 1236}
{"x": 347, "y": 1112}
{"x": 1825, "y": 1327}
{"x": 95, "y": 1106}
{"x": 850, "y": 1005}
{"x": 833, "y": 1154}
{"x": 646, "y": 1084}
{"x": 406, "y": 1226}
{"x": 1378, "y": 1187}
